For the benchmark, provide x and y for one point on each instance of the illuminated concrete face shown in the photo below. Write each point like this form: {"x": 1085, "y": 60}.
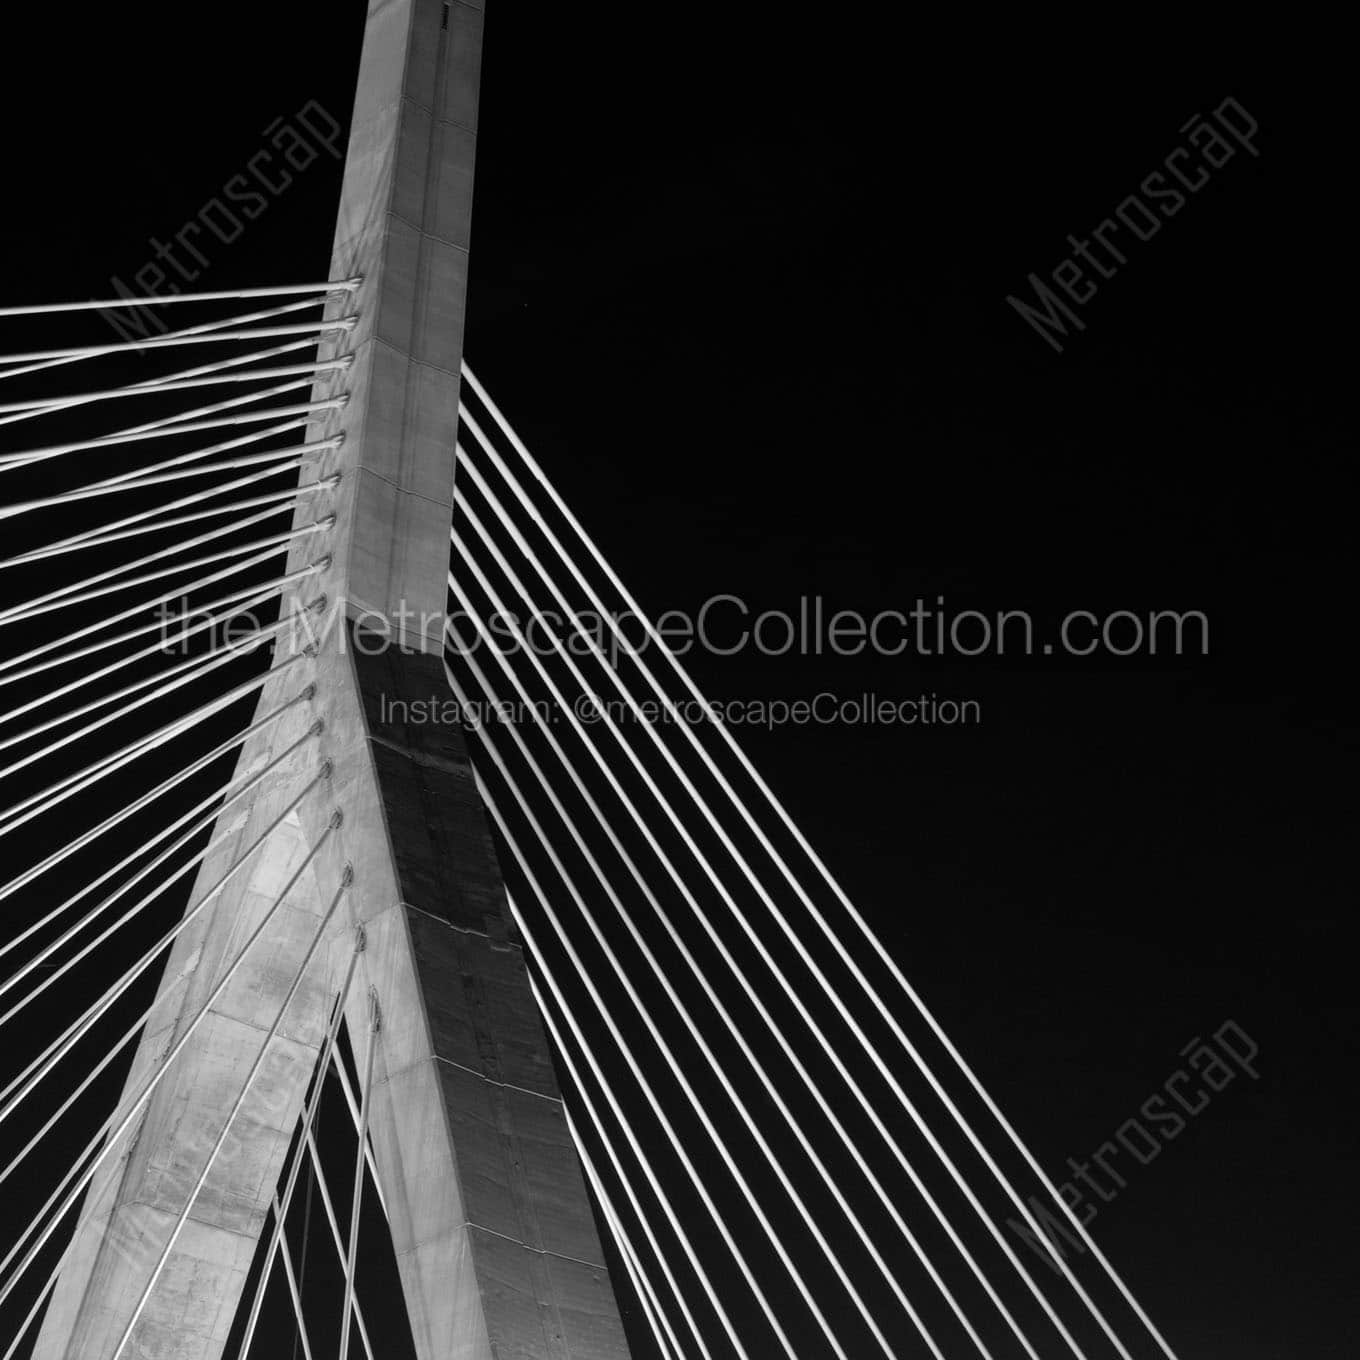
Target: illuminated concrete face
{"x": 489, "y": 1217}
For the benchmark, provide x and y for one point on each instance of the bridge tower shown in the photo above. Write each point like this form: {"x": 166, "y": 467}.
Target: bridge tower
{"x": 493, "y": 1231}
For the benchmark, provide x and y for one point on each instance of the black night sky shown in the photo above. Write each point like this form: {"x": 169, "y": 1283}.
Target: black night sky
{"x": 739, "y": 276}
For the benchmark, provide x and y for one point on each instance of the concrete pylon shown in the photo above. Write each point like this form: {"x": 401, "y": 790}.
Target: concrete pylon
{"x": 489, "y": 1216}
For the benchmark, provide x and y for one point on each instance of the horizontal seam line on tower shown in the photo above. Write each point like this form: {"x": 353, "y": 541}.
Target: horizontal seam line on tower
{"x": 260, "y": 1029}
{"x": 364, "y": 608}
{"x": 540, "y": 1251}
{"x": 429, "y": 108}
{"x": 462, "y": 930}
{"x": 376, "y": 339}
{"x": 222, "y": 1227}
{"x": 427, "y": 235}
{"x": 406, "y": 491}
{"x": 491, "y": 1081}
{"x": 191, "y": 1217}
{"x": 505, "y": 1237}
{"x": 432, "y": 762}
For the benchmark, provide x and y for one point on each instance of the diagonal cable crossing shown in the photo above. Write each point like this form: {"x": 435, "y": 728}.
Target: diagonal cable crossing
{"x": 785, "y": 1149}
{"x": 961, "y": 1147}
{"x": 116, "y": 694}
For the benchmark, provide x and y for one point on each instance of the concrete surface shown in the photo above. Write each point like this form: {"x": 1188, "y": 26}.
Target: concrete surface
{"x": 492, "y": 1228}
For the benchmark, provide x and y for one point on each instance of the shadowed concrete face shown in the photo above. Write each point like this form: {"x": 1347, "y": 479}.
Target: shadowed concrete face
{"x": 467, "y": 1111}
{"x": 493, "y": 1232}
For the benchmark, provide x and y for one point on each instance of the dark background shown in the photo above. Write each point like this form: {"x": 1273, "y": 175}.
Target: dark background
{"x": 739, "y": 278}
